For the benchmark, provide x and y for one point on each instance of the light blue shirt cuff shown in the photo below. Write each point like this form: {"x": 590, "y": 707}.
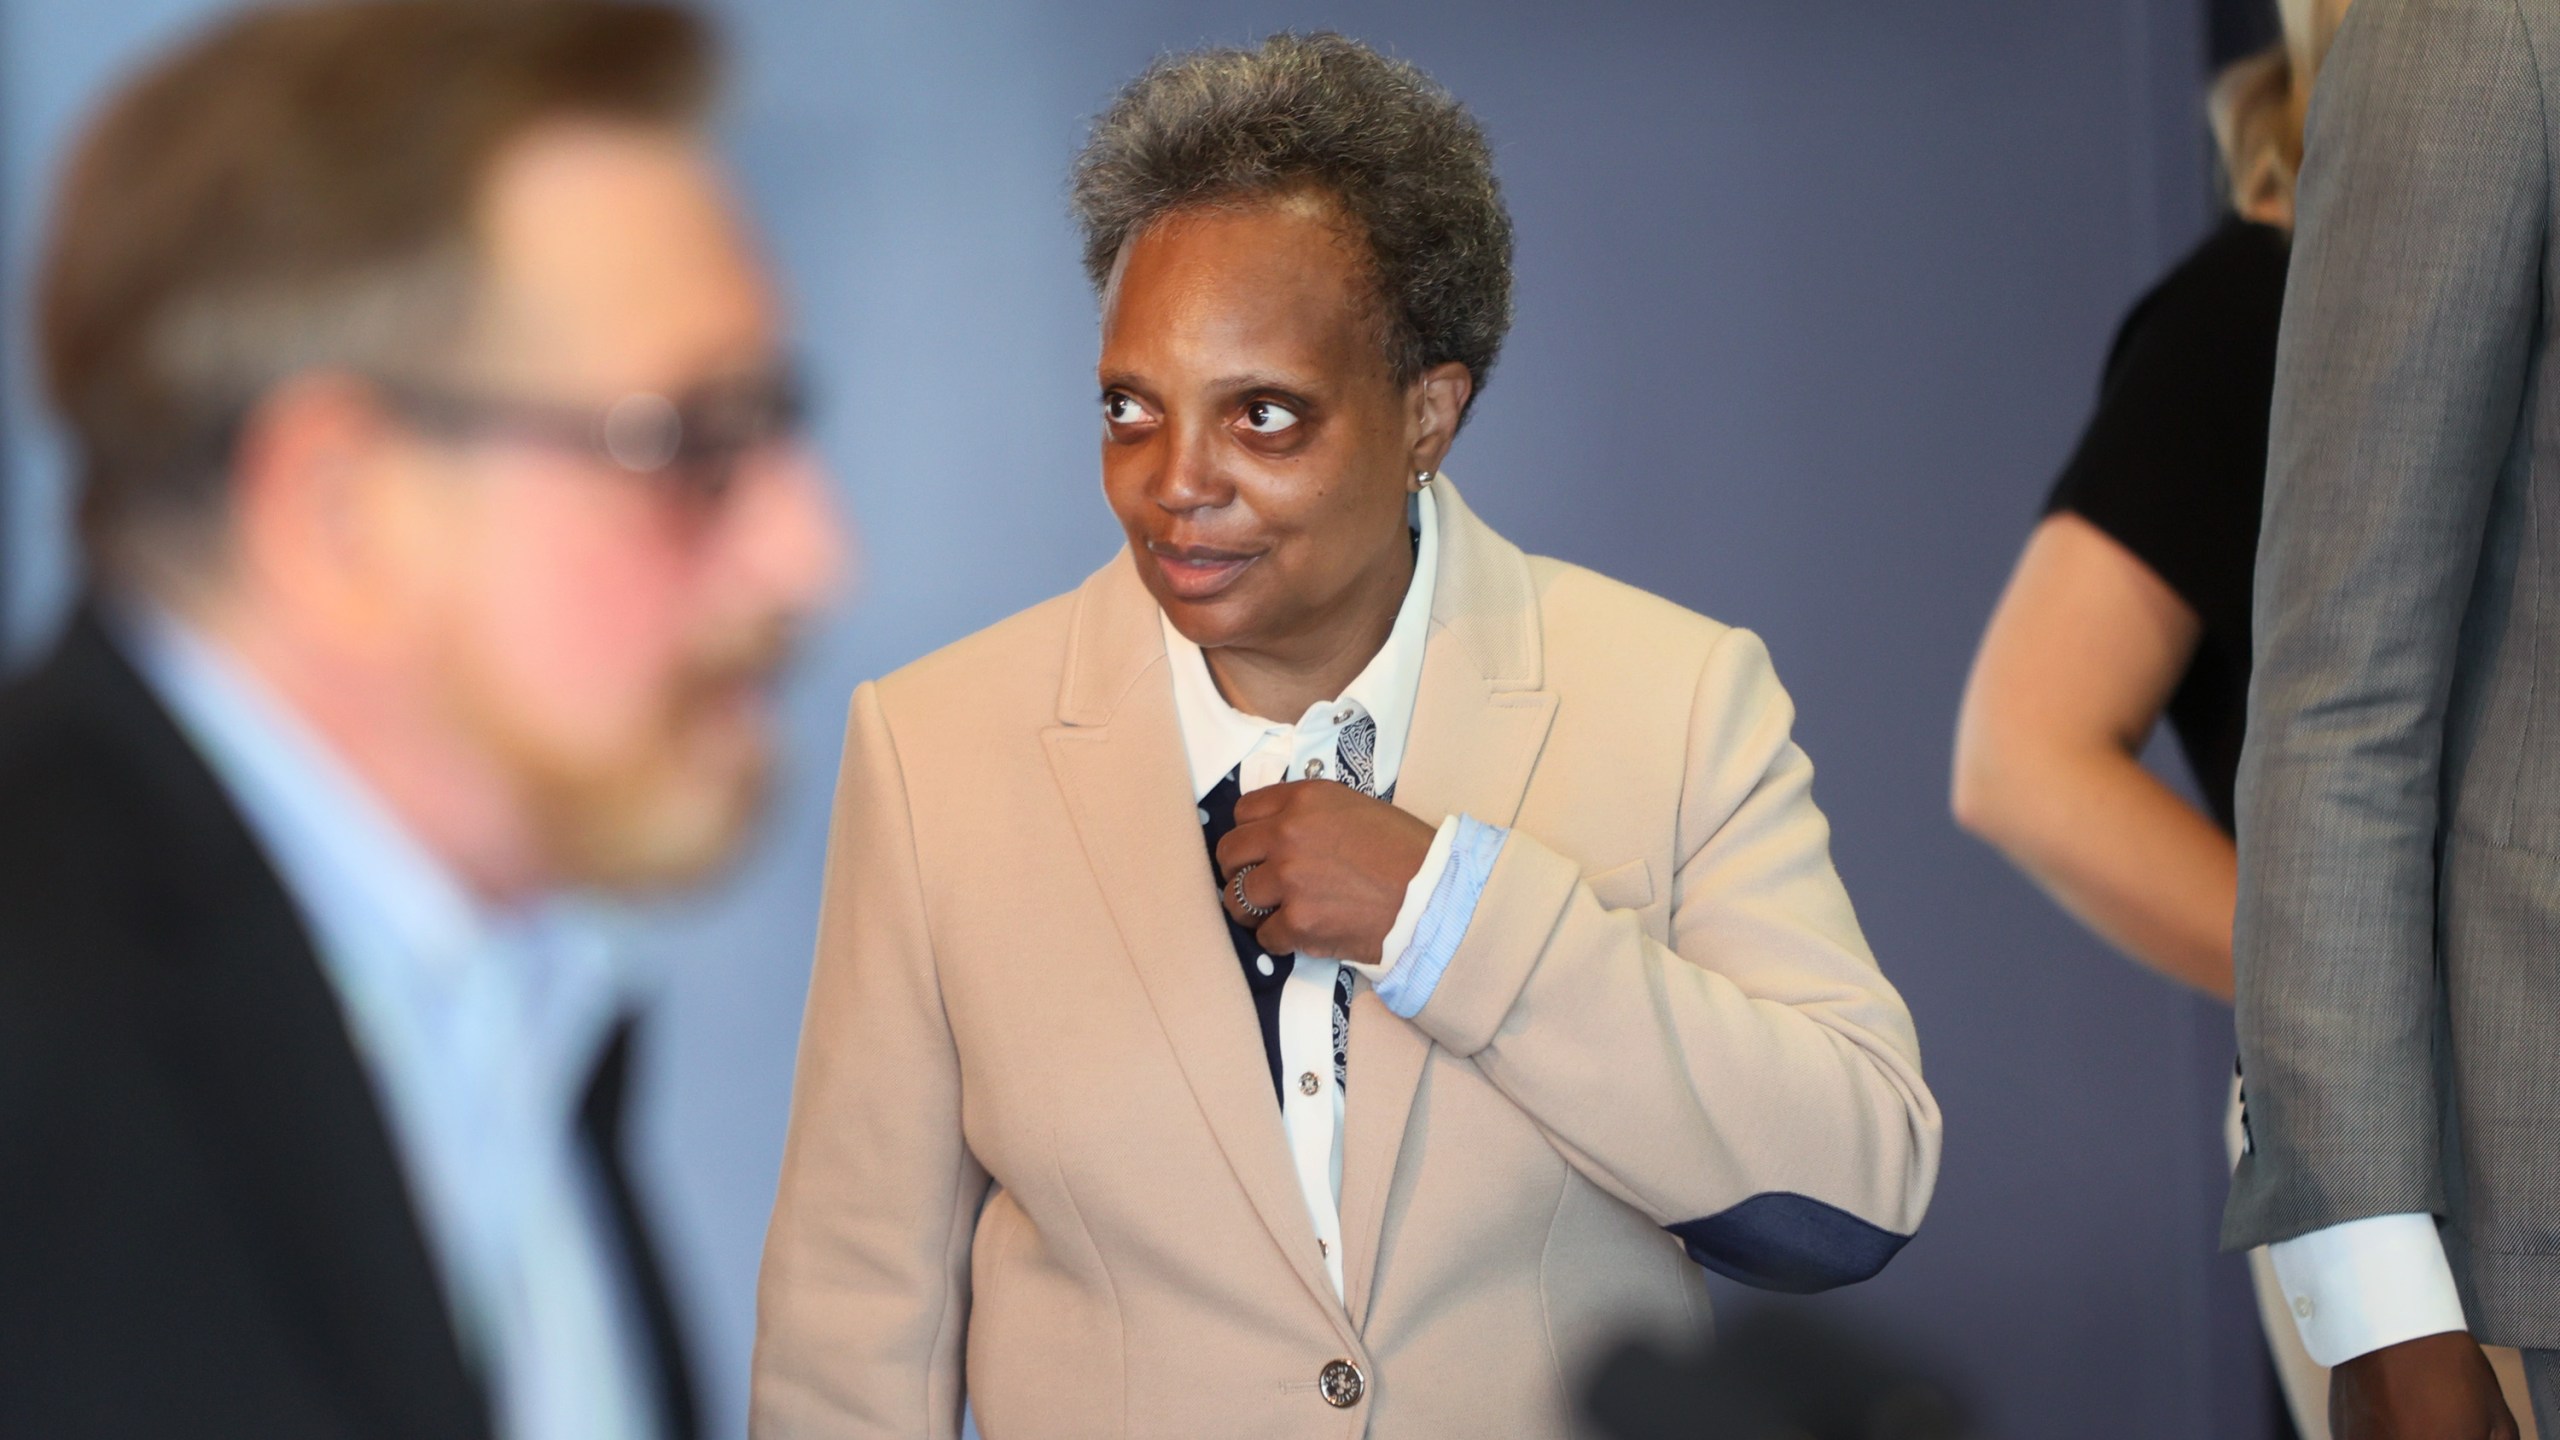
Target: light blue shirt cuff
{"x": 1474, "y": 847}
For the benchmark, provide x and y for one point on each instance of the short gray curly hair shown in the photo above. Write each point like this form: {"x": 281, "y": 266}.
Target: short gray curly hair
{"x": 1405, "y": 160}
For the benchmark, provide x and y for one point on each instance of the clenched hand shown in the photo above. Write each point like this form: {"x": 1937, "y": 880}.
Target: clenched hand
{"x": 1331, "y": 862}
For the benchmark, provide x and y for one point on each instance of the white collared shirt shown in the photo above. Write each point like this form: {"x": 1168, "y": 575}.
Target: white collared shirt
{"x": 1218, "y": 738}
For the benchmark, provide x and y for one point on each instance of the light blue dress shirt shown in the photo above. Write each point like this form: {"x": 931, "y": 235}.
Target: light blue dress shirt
{"x": 480, "y": 1030}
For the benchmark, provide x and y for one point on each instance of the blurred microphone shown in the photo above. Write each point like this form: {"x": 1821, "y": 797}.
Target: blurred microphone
{"x": 1775, "y": 1375}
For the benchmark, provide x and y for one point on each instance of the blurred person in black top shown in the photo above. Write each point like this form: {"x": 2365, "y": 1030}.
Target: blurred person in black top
{"x": 444, "y": 517}
{"x": 2169, "y": 475}
{"x": 2132, "y": 602}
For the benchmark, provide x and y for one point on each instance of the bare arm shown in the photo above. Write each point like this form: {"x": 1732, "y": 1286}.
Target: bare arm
{"x": 2083, "y": 652}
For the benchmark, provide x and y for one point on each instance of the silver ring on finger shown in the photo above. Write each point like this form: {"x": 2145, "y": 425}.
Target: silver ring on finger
{"x": 1235, "y": 889}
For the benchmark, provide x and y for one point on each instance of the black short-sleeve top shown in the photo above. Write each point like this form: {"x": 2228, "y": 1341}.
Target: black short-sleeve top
{"x": 2173, "y": 467}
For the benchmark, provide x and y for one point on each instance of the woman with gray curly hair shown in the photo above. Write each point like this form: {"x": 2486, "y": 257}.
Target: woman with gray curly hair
{"x": 1508, "y": 876}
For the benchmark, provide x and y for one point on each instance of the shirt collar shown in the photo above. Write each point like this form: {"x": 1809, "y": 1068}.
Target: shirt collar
{"x": 1216, "y": 736}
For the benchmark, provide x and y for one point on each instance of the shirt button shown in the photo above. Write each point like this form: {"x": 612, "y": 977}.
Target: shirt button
{"x": 1308, "y": 1084}
{"x": 1204, "y": 814}
{"x": 1262, "y": 963}
{"x": 1315, "y": 770}
{"x": 1341, "y": 1384}
{"x": 2302, "y": 1306}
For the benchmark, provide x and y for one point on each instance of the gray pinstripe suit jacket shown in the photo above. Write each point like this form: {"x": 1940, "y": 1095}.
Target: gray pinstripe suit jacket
{"x": 2399, "y": 806}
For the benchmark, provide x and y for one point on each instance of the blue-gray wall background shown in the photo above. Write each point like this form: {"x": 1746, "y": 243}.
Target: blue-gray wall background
{"x": 1812, "y": 298}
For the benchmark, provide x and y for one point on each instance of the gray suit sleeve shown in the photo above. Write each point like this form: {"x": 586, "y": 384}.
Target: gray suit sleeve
{"x": 2410, "y": 313}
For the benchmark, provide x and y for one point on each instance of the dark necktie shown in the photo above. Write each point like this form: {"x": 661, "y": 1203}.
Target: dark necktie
{"x": 1265, "y": 975}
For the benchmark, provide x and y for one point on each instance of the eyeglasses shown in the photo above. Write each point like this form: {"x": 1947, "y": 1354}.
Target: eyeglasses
{"x": 695, "y": 442}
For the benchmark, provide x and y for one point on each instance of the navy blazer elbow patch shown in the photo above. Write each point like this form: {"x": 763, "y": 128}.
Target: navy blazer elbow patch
{"x": 1788, "y": 1242}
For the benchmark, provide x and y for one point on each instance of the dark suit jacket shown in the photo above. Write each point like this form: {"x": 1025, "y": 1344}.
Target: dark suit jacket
{"x": 204, "y": 1230}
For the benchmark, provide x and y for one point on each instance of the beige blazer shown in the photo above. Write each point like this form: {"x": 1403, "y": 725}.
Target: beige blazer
{"x": 1034, "y": 1157}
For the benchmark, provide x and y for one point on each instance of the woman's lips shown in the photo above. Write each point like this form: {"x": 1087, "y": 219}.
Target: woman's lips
{"x": 1198, "y": 572}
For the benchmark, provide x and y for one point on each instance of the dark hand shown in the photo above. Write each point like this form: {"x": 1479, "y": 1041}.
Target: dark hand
{"x": 2438, "y": 1387}
{"x": 1332, "y": 861}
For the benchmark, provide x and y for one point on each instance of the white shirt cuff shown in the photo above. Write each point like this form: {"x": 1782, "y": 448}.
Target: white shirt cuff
{"x": 1417, "y": 896}
{"x": 2356, "y": 1287}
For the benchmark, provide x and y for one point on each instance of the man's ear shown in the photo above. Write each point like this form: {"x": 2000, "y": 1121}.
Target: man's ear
{"x": 316, "y": 520}
{"x": 1439, "y": 400}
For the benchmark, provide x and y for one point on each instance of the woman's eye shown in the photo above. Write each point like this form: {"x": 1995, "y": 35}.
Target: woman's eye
{"x": 1119, "y": 409}
{"x": 1265, "y": 418}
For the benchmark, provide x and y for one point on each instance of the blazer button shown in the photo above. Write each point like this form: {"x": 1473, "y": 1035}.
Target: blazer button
{"x": 1308, "y": 1084}
{"x": 1341, "y": 1384}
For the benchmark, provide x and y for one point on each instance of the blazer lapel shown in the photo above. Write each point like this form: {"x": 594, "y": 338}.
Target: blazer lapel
{"x": 600, "y": 1119}
{"x": 1118, "y": 757}
{"x": 1480, "y": 721}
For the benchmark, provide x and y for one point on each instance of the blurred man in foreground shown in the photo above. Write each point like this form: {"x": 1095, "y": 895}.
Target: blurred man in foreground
{"x": 444, "y": 516}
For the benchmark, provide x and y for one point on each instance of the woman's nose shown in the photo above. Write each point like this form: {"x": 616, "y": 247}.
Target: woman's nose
{"x": 1189, "y": 476}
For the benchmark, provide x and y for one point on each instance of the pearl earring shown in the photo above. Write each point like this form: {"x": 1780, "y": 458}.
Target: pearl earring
{"x": 1422, "y": 479}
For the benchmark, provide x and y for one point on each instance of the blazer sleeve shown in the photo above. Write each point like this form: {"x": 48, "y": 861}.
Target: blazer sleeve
{"x": 864, "y": 1299}
{"x": 1754, "y": 1086}
{"x": 2410, "y": 312}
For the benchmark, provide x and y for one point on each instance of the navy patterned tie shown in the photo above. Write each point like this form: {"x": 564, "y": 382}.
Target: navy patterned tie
{"x": 1265, "y": 975}
{"x": 1356, "y": 748}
